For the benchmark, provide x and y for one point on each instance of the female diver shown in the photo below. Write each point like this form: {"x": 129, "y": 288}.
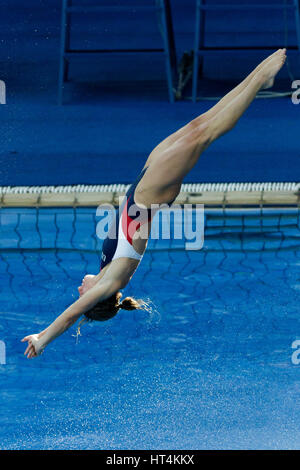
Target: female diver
{"x": 158, "y": 183}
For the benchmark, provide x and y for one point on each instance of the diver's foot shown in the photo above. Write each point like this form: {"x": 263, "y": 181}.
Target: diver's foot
{"x": 87, "y": 283}
{"x": 265, "y": 61}
{"x": 272, "y": 67}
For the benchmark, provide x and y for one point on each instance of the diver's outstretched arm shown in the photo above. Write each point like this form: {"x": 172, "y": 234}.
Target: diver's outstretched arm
{"x": 101, "y": 291}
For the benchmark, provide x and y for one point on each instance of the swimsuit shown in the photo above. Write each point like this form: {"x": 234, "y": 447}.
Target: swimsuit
{"x": 128, "y": 219}
{"x": 118, "y": 243}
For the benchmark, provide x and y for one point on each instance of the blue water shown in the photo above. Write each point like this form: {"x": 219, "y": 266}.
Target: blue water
{"x": 209, "y": 368}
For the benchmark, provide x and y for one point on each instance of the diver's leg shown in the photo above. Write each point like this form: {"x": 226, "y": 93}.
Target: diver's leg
{"x": 227, "y": 117}
{"x": 241, "y": 87}
{"x": 211, "y": 112}
{"x": 162, "y": 181}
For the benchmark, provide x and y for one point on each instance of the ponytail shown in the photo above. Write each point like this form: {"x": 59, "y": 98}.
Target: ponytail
{"x": 110, "y": 307}
{"x": 129, "y": 303}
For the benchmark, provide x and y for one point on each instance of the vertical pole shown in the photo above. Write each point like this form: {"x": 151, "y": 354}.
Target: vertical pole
{"x": 166, "y": 38}
{"x": 171, "y": 38}
{"x": 297, "y": 18}
{"x": 196, "y": 51}
{"x": 64, "y": 44}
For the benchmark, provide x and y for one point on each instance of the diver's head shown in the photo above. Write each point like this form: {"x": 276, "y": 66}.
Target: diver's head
{"x": 110, "y": 307}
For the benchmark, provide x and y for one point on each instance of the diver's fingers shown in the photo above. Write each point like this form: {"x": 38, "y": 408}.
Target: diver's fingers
{"x": 31, "y": 352}
{"x": 27, "y": 349}
{"x": 26, "y": 338}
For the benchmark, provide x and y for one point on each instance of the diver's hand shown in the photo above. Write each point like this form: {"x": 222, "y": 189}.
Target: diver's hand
{"x": 34, "y": 347}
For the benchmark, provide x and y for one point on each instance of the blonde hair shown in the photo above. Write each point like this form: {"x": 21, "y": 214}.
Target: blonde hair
{"x": 109, "y": 308}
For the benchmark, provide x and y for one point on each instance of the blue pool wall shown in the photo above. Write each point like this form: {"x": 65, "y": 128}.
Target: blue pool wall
{"x": 108, "y": 126}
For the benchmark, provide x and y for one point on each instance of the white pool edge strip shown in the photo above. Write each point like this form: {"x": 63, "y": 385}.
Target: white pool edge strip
{"x": 188, "y": 187}
{"x": 219, "y": 194}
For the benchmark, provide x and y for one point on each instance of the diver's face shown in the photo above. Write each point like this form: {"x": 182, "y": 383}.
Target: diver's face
{"x": 87, "y": 283}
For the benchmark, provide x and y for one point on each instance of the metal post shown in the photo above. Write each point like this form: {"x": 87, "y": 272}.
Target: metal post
{"x": 64, "y": 44}
{"x": 166, "y": 39}
{"x": 198, "y": 32}
{"x": 297, "y": 18}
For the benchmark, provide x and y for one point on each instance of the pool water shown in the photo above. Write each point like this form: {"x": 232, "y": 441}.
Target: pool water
{"x": 208, "y": 368}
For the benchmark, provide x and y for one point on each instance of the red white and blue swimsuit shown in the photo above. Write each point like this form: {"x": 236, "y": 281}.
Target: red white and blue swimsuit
{"x": 118, "y": 243}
